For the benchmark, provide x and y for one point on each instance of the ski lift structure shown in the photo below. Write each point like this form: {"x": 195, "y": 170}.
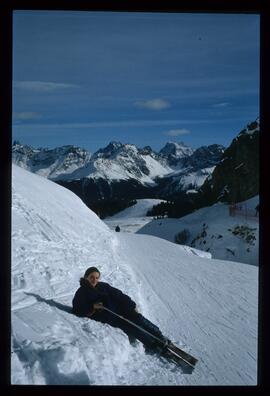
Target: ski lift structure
{"x": 242, "y": 210}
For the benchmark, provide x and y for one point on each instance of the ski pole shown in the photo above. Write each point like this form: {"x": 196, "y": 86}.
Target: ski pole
{"x": 135, "y": 325}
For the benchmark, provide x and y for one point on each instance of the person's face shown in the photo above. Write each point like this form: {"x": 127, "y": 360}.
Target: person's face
{"x": 93, "y": 278}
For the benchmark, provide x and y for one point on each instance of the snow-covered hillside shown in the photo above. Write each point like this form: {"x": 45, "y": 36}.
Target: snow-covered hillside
{"x": 186, "y": 179}
{"x": 140, "y": 209}
{"x": 133, "y": 218}
{"x": 207, "y": 306}
{"x": 214, "y": 230}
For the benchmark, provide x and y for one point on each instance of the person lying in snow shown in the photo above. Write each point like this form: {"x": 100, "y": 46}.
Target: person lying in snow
{"x": 93, "y": 295}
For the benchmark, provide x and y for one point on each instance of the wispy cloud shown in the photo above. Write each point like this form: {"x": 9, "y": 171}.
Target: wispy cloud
{"x": 119, "y": 124}
{"x": 42, "y": 86}
{"x": 153, "y": 104}
{"x": 223, "y": 104}
{"x": 177, "y": 132}
{"x": 26, "y": 115}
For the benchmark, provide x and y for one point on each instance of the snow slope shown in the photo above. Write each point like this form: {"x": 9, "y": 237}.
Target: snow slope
{"x": 219, "y": 239}
{"x": 211, "y": 229}
{"x": 138, "y": 210}
{"x": 205, "y": 305}
{"x": 208, "y": 306}
{"x": 133, "y": 218}
{"x": 219, "y": 226}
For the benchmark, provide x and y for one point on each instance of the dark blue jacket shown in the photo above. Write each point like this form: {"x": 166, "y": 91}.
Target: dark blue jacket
{"x": 111, "y": 298}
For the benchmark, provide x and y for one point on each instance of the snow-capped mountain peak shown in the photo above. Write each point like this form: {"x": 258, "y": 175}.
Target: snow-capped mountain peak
{"x": 120, "y": 161}
{"x": 174, "y": 152}
{"x": 251, "y": 128}
{"x": 147, "y": 150}
{"x": 178, "y": 149}
{"x": 115, "y": 163}
{"x": 54, "y": 164}
{"x": 109, "y": 150}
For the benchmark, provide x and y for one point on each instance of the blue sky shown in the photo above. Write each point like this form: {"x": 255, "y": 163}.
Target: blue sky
{"x": 86, "y": 78}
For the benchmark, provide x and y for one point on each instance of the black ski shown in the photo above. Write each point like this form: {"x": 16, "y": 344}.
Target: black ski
{"x": 173, "y": 352}
{"x": 169, "y": 350}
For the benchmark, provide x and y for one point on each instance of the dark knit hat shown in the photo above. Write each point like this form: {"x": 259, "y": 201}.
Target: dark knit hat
{"x": 89, "y": 270}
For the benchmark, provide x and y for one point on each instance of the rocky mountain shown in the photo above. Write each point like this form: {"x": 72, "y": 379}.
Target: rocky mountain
{"x": 203, "y": 157}
{"x": 175, "y": 152}
{"x": 122, "y": 171}
{"x": 116, "y": 162}
{"x": 192, "y": 170}
{"x": 120, "y": 161}
{"x": 55, "y": 164}
{"x": 236, "y": 177}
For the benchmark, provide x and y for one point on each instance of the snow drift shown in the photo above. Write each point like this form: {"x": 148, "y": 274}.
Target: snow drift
{"x": 207, "y": 306}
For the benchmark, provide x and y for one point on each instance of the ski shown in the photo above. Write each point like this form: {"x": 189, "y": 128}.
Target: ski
{"x": 169, "y": 350}
{"x": 179, "y": 356}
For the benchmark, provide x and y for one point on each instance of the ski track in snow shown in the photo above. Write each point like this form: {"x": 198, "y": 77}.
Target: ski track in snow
{"x": 51, "y": 248}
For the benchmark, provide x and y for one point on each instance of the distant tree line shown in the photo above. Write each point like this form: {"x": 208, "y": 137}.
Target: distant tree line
{"x": 181, "y": 206}
{"x": 109, "y": 207}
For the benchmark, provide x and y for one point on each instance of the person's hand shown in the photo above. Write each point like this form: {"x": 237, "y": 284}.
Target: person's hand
{"x": 98, "y": 306}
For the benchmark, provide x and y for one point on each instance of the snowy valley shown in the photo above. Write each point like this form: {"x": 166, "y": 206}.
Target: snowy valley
{"x": 208, "y": 306}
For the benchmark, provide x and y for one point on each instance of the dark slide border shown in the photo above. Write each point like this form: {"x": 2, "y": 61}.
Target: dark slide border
{"x": 203, "y": 6}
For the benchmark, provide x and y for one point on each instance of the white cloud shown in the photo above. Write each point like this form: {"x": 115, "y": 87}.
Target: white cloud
{"x": 223, "y": 104}
{"x": 41, "y": 86}
{"x": 26, "y": 115}
{"x": 177, "y": 132}
{"x": 153, "y": 104}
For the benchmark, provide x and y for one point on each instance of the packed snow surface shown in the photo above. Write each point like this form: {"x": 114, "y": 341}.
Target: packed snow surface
{"x": 207, "y": 306}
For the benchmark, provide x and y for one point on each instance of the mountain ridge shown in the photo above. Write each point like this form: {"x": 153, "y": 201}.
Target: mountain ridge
{"x": 116, "y": 161}
{"x": 122, "y": 171}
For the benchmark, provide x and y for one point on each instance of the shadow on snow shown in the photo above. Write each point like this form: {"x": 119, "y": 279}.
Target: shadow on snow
{"x": 52, "y": 303}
